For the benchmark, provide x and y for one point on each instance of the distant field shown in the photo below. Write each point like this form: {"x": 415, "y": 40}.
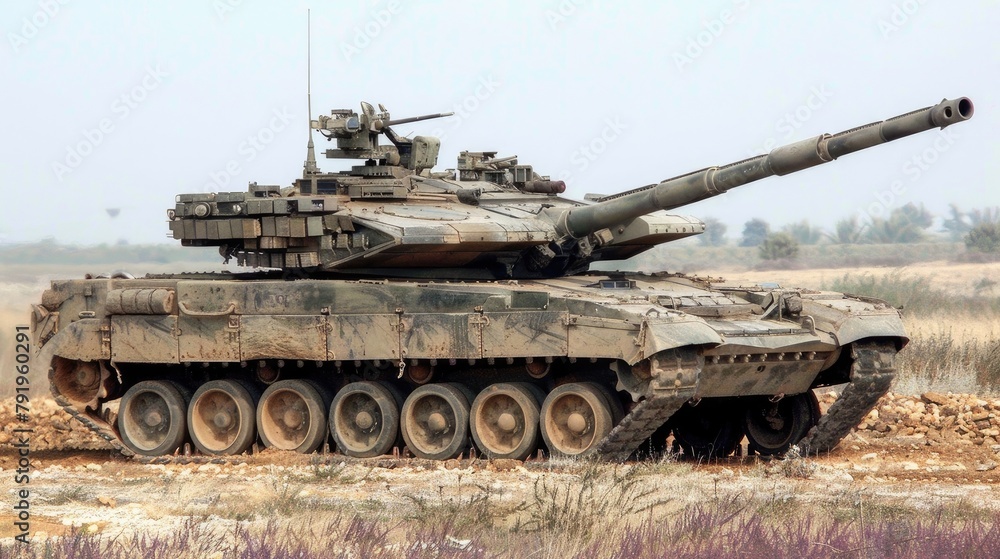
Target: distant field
{"x": 960, "y": 279}
{"x": 689, "y": 256}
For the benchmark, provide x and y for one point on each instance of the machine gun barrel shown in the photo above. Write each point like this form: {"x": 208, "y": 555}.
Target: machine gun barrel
{"x": 408, "y": 120}
{"x": 686, "y": 189}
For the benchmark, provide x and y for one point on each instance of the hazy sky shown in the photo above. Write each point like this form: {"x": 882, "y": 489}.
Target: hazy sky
{"x": 123, "y": 105}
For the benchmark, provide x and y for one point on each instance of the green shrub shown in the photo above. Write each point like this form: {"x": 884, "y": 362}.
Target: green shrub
{"x": 779, "y": 246}
{"x": 755, "y": 232}
{"x": 984, "y": 237}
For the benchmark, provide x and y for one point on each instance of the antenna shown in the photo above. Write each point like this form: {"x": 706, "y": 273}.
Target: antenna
{"x": 309, "y": 167}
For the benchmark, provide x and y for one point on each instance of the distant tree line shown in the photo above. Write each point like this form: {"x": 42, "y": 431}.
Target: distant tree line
{"x": 979, "y": 229}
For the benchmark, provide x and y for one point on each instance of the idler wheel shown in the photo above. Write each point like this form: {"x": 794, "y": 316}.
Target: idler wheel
{"x": 364, "y": 419}
{"x": 151, "y": 417}
{"x": 435, "y": 421}
{"x": 77, "y": 381}
{"x": 772, "y": 428}
{"x": 221, "y": 417}
{"x": 291, "y": 415}
{"x": 505, "y": 421}
{"x": 712, "y": 429}
{"x": 575, "y": 418}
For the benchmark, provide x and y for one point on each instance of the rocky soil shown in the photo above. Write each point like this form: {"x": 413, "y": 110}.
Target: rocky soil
{"x": 914, "y": 453}
{"x": 932, "y": 419}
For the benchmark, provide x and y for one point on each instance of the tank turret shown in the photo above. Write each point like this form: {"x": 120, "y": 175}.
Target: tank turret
{"x": 491, "y": 217}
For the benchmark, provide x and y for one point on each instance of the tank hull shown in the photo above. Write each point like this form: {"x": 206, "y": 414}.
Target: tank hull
{"x": 650, "y": 345}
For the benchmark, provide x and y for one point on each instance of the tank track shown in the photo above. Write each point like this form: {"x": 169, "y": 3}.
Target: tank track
{"x": 872, "y": 372}
{"x": 99, "y": 426}
{"x": 669, "y": 389}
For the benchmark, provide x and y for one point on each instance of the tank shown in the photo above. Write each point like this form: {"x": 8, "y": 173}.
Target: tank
{"x": 394, "y": 309}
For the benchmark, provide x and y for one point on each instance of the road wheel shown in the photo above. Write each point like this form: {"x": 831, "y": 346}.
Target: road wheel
{"x": 291, "y": 415}
{"x": 364, "y": 419}
{"x": 773, "y": 427}
{"x": 151, "y": 417}
{"x": 221, "y": 417}
{"x": 614, "y": 402}
{"x": 575, "y": 418}
{"x": 435, "y": 421}
{"x": 505, "y": 421}
{"x": 712, "y": 429}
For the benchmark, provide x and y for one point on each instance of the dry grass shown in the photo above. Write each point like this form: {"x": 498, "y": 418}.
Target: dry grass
{"x": 732, "y": 524}
{"x": 951, "y": 353}
{"x": 960, "y": 280}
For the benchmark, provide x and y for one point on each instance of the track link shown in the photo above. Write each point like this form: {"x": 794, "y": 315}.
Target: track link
{"x": 674, "y": 382}
{"x": 872, "y": 373}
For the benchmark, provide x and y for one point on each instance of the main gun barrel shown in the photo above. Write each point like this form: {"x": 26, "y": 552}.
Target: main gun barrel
{"x": 699, "y": 185}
